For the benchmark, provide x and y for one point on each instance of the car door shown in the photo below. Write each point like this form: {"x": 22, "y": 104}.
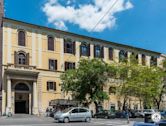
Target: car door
{"x": 74, "y": 114}
{"x": 82, "y": 114}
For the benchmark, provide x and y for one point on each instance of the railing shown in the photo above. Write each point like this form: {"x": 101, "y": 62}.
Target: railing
{"x": 19, "y": 66}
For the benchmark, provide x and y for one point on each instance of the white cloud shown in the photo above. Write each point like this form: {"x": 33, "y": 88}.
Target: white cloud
{"x": 86, "y": 16}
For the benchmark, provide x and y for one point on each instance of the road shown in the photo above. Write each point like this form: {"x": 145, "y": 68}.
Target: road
{"x": 27, "y": 120}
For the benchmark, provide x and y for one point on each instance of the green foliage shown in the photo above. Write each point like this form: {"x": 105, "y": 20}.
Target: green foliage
{"x": 87, "y": 82}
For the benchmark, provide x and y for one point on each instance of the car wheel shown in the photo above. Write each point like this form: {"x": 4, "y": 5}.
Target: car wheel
{"x": 106, "y": 117}
{"x": 87, "y": 119}
{"x": 66, "y": 120}
{"x": 95, "y": 116}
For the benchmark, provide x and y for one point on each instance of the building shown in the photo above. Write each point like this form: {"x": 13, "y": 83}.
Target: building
{"x": 34, "y": 57}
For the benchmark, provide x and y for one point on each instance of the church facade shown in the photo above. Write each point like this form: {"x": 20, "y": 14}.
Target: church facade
{"x": 33, "y": 57}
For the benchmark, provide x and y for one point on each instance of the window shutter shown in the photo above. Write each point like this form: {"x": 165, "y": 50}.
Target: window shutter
{"x": 102, "y": 52}
{"x": 94, "y": 50}
{"x": 47, "y": 86}
{"x": 81, "y": 50}
{"x": 88, "y": 49}
{"x": 56, "y": 64}
{"x": 74, "y": 49}
{"x": 73, "y": 65}
{"x": 110, "y": 53}
{"x": 54, "y": 86}
{"x": 15, "y": 58}
{"x": 66, "y": 64}
{"x": 27, "y": 59}
{"x": 65, "y": 46}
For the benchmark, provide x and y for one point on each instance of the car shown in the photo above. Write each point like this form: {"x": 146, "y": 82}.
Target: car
{"x": 139, "y": 113}
{"x": 149, "y": 111}
{"x": 73, "y": 114}
{"x": 104, "y": 114}
{"x": 163, "y": 113}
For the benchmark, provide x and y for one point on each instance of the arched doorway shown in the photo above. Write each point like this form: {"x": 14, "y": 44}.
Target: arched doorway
{"x": 22, "y": 98}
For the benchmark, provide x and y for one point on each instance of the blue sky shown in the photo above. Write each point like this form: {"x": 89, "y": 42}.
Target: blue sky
{"x": 140, "y": 23}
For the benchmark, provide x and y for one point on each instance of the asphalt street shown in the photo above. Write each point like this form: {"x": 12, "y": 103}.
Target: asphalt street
{"x": 26, "y": 120}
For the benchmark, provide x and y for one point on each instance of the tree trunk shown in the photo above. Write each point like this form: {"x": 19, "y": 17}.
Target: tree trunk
{"x": 96, "y": 106}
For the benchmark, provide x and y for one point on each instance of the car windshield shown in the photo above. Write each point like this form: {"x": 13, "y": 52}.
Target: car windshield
{"x": 66, "y": 110}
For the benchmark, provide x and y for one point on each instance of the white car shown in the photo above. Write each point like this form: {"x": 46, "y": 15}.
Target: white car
{"x": 73, "y": 114}
{"x": 149, "y": 111}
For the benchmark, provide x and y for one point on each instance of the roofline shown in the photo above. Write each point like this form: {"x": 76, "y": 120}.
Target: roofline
{"x": 80, "y": 36}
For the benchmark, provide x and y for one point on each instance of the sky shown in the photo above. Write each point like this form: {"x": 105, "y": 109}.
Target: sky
{"x": 139, "y": 23}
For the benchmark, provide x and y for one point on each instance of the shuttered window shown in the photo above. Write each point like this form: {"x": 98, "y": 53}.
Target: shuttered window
{"x": 51, "y": 86}
{"x": 50, "y": 43}
{"x": 52, "y": 64}
{"x": 111, "y": 53}
{"x": 69, "y": 65}
{"x": 143, "y": 60}
{"x": 21, "y": 58}
{"x": 69, "y": 46}
{"x": 98, "y": 51}
{"x": 21, "y": 38}
{"x": 85, "y": 50}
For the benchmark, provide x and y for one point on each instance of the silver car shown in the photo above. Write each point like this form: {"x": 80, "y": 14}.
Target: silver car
{"x": 73, "y": 114}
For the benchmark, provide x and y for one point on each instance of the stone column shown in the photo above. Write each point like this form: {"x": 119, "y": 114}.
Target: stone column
{"x": 139, "y": 59}
{"x": 35, "y": 100}
{"x": 9, "y": 96}
{"x": 106, "y": 54}
{"x": 77, "y": 53}
{"x": 116, "y": 55}
{"x": 148, "y": 61}
{"x": 91, "y": 51}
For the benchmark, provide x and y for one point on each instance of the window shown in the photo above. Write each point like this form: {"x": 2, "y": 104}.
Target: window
{"x": 153, "y": 61}
{"x": 143, "y": 59}
{"x": 21, "y": 58}
{"x": 69, "y": 65}
{"x": 134, "y": 57}
{"x": 50, "y": 43}
{"x": 112, "y": 90}
{"x": 98, "y": 51}
{"x": 21, "y": 87}
{"x": 69, "y": 46}
{"x": 85, "y": 50}
{"x": 21, "y": 38}
{"x": 75, "y": 111}
{"x": 52, "y": 64}
{"x": 51, "y": 86}
{"x": 111, "y": 53}
{"x": 123, "y": 56}
{"x": 82, "y": 110}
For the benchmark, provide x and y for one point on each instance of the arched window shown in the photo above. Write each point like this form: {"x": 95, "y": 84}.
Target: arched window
{"x": 21, "y": 38}
{"x": 50, "y": 43}
{"x": 123, "y": 56}
{"x": 21, "y": 87}
{"x": 21, "y": 58}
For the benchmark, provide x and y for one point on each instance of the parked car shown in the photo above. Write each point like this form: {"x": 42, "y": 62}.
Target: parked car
{"x": 121, "y": 114}
{"x": 73, "y": 114}
{"x": 104, "y": 114}
{"x": 163, "y": 113}
{"x": 139, "y": 113}
{"x": 149, "y": 111}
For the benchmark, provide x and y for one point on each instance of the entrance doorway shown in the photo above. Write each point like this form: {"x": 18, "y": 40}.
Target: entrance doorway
{"x": 22, "y": 93}
{"x": 22, "y": 103}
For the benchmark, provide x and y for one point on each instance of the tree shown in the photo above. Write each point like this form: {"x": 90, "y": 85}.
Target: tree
{"x": 87, "y": 81}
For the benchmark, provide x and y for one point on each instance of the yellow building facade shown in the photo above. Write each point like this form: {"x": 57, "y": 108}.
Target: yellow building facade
{"x": 34, "y": 57}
